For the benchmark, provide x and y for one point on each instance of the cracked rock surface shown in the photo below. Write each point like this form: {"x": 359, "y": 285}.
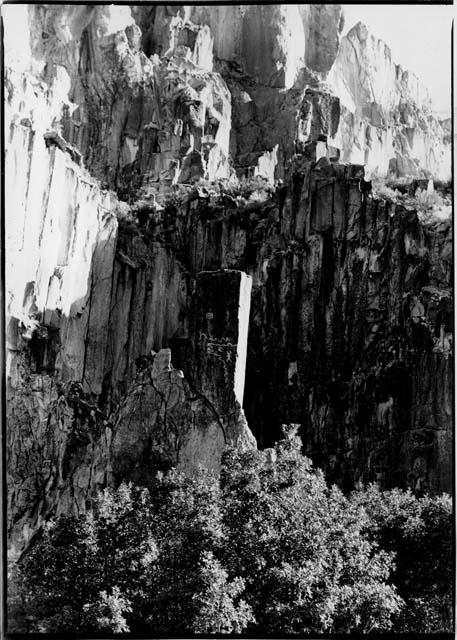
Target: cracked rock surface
{"x": 194, "y": 256}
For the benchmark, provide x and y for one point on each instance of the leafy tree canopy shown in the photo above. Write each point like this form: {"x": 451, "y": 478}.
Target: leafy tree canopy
{"x": 267, "y": 546}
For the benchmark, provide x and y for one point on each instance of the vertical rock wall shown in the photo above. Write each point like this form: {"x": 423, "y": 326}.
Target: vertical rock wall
{"x": 220, "y": 319}
{"x": 351, "y": 305}
{"x": 334, "y": 306}
{"x": 387, "y": 122}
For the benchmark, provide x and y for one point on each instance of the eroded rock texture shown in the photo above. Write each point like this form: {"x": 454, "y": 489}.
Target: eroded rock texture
{"x": 386, "y": 118}
{"x": 156, "y": 305}
{"x": 350, "y": 325}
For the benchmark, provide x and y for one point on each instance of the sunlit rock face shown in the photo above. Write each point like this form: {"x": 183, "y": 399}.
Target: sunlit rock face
{"x": 158, "y": 96}
{"x": 270, "y": 64}
{"x": 386, "y": 122}
{"x": 261, "y": 52}
{"x": 61, "y": 233}
{"x": 267, "y": 41}
{"x": 150, "y": 315}
{"x": 86, "y": 110}
{"x": 322, "y": 24}
{"x": 138, "y": 122}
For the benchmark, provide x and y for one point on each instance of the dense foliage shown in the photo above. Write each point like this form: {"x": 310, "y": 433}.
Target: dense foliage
{"x": 421, "y": 533}
{"x": 265, "y": 547}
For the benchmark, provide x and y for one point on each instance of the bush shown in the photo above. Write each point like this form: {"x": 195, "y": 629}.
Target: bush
{"x": 266, "y": 547}
{"x": 428, "y": 205}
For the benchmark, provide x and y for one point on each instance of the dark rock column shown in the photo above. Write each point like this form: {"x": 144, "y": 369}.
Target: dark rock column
{"x": 220, "y": 332}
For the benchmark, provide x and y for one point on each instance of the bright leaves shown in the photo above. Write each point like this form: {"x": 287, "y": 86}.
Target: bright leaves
{"x": 266, "y": 547}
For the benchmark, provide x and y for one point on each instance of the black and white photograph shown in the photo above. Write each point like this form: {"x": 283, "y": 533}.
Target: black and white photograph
{"x": 228, "y": 314}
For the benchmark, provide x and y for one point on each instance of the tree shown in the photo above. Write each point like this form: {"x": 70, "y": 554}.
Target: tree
{"x": 266, "y": 547}
{"x": 108, "y": 612}
{"x": 187, "y": 524}
{"x": 420, "y": 532}
{"x": 138, "y": 561}
{"x": 300, "y": 546}
{"x": 218, "y": 610}
{"x": 80, "y": 565}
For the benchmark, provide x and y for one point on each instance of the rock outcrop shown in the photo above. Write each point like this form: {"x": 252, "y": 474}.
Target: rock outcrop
{"x": 189, "y": 251}
{"x": 386, "y": 121}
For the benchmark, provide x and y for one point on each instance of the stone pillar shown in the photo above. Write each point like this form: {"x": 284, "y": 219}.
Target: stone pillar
{"x": 222, "y": 302}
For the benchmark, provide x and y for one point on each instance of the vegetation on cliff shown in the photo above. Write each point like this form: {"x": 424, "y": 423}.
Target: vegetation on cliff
{"x": 266, "y": 546}
{"x": 432, "y": 200}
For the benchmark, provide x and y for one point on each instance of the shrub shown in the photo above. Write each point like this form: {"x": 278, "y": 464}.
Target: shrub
{"x": 428, "y": 205}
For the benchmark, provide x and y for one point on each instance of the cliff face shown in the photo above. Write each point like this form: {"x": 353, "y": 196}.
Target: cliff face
{"x": 387, "y": 122}
{"x": 133, "y": 248}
